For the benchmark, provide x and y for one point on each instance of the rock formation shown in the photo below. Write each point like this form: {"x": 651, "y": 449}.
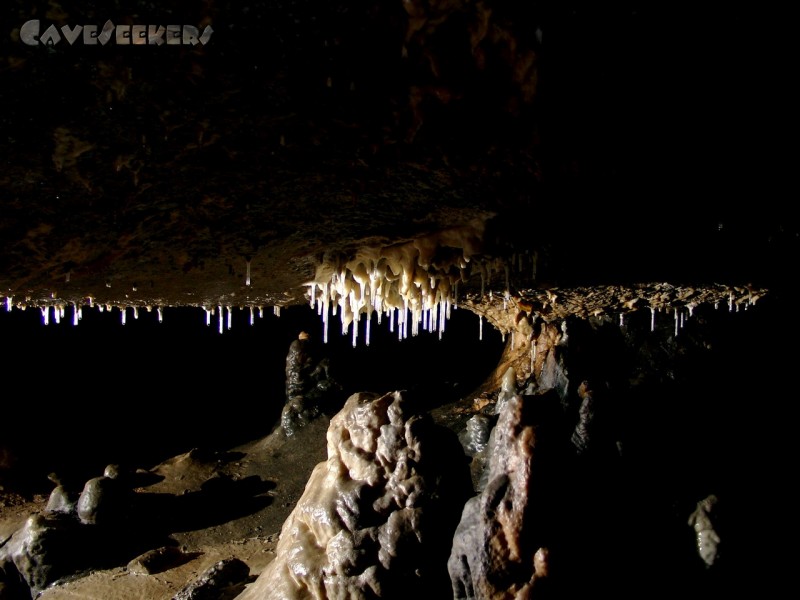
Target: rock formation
{"x": 499, "y": 549}
{"x": 377, "y": 518}
{"x": 708, "y": 539}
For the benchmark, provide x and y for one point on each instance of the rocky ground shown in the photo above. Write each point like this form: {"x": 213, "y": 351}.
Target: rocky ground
{"x": 243, "y": 524}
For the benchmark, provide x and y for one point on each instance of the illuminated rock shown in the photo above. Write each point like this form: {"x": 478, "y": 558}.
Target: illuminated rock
{"x": 377, "y": 518}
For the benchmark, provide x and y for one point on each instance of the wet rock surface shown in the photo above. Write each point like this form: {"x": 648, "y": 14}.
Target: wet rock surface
{"x": 500, "y": 546}
{"x": 377, "y": 518}
{"x": 222, "y": 581}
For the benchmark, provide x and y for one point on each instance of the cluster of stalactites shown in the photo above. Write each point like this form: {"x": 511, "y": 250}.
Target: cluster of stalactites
{"x": 58, "y": 312}
{"x": 409, "y": 295}
{"x": 413, "y": 285}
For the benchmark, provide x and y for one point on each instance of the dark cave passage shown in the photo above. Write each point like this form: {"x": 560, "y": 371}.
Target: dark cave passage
{"x": 140, "y": 393}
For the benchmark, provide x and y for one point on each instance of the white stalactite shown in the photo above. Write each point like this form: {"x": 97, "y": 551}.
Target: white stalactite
{"x": 160, "y": 314}
{"x": 219, "y": 318}
{"x": 533, "y": 355}
{"x": 247, "y": 277}
{"x": 123, "y": 310}
{"x": 45, "y": 315}
{"x": 9, "y": 305}
{"x": 652, "y": 319}
{"x": 230, "y": 313}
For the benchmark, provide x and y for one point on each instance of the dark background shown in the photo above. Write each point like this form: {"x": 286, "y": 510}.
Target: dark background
{"x": 83, "y": 397}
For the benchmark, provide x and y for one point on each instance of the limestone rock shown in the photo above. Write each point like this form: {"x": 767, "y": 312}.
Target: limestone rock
{"x": 216, "y": 582}
{"x": 42, "y": 551}
{"x": 701, "y": 521}
{"x": 498, "y": 547}
{"x": 475, "y": 437}
{"x": 308, "y": 384}
{"x": 156, "y": 561}
{"x": 377, "y": 518}
{"x": 104, "y": 500}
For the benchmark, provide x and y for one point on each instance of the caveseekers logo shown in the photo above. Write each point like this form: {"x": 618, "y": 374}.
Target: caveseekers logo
{"x": 123, "y": 35}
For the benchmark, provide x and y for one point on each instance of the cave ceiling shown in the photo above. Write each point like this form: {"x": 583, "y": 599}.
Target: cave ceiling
{"x": 611, "y": 144}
